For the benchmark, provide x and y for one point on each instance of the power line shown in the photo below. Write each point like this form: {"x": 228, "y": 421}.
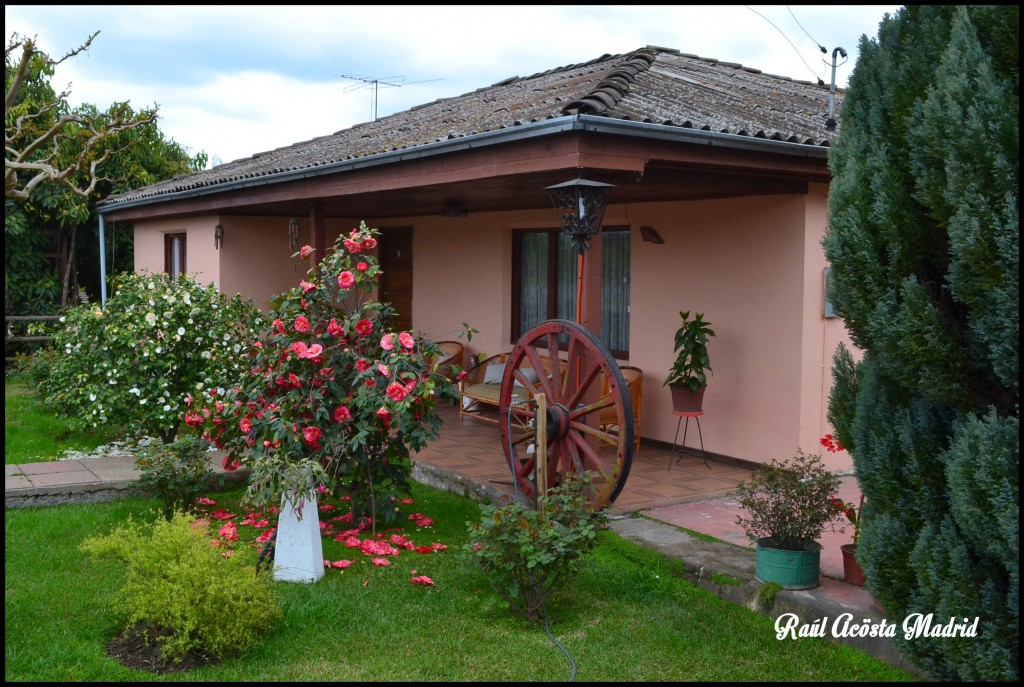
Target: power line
{"x": 821, "y": 47}
{"x": 820, "y": 80}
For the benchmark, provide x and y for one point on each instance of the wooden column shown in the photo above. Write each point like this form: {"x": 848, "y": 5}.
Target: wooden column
{"x": 317, "y": 231}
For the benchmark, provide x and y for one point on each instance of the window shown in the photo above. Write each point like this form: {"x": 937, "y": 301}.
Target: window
{"x": 174, "y": 255}
{"x": 544, "y": 282}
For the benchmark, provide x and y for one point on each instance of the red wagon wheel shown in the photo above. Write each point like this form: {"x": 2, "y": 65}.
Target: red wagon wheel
{"x": 589, "y": 412}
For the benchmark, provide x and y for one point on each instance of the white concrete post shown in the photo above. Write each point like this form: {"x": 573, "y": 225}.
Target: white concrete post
{"x": 299, "y": 551}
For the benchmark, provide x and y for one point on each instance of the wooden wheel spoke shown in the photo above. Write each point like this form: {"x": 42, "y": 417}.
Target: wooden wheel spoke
{"x": 596, "y": 432}
{"x": 592, "y": 459}
{"x": 584, "y": 386}
{"x": 548, "y": 385}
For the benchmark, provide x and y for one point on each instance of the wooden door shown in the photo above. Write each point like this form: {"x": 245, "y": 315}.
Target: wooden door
{"x": 396, "y": 280}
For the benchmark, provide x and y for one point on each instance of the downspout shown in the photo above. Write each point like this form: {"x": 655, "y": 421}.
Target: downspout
{"x": 103, "y": 265}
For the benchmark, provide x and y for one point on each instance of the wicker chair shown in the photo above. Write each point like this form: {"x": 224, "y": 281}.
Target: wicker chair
{"x": 451, "y": 354}
{"x": 480, "y": 393}
{"x": 634, "y": 377}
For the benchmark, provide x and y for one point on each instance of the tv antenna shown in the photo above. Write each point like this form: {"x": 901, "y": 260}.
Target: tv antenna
{"x": 375, "y": 84}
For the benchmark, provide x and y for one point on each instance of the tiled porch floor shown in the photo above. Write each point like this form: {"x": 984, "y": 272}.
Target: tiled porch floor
{"x": 473, "y": 449}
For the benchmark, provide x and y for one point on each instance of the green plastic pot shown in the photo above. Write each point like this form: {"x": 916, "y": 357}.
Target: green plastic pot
{"x": 790, "y": 569}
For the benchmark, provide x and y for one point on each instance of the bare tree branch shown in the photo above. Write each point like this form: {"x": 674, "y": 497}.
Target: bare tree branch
{"x": 32, "y": 153}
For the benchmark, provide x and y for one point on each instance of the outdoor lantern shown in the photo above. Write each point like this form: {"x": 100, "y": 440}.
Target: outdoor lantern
{"x": 580, "y": 205}
{"x": 218, "y": 236}
{"x": 293, "y": 234}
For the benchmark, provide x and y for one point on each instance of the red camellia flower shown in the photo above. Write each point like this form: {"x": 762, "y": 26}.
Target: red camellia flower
{"x": 245, "y": 424}
{"x": 230, "y": 464}
{"x": 362, "y": 267}
{"x": 387, "y": 342}
{"x": 334, "y": 329}
{"x": 396, "y": 391}
{"x": 301, "y": 324}
{"x": 352, "y": 246}
{"x": 346, "y": 280}
{"x": 306, "y": 286}
{"x": 305, "y": 252}
{"x": 364, "y": 327}
{"x": 422, "y": 579}
{"x": 362, "y": 365}
{"x": 342, "y": 413}
{"x": 405, "y": 338}
{"x": 384, "y": 415}
{"x": 311, "y": 435}
{"x": 299, "y": 348}
{"x": 369, "y": 243}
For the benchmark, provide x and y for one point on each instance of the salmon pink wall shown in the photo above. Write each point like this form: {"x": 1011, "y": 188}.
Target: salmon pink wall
{"x": 201, "y": 261}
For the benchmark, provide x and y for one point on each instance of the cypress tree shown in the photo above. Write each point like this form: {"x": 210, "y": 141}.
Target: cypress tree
{"x": 924, "y": 244}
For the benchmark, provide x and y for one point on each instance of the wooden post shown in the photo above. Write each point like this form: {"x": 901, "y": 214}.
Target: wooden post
{"x": 541, "y": 447}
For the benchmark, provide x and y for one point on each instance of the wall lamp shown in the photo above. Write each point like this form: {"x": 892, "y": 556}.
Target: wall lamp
{"x": 218, "y": 236}
{"x": 293, "y": 234}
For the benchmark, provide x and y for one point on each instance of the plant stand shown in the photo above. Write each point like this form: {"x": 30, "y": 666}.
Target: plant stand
{"x": 299, "y": 552}
{"x": 681, "y": 451}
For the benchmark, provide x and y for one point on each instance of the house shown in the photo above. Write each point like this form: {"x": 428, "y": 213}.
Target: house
{"x": 719, "y": 203}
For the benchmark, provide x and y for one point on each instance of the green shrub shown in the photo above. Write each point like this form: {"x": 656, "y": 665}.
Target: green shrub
{"x": 35, "y": 367}
{"x": 187, "y": 591}
{"x": 528, "y": 554}
{"x": 176, "y": 473}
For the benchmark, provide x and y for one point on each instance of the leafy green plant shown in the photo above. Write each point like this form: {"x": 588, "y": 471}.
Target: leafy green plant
{"x": 191, "y": 596}
{"x": 35, "y": 367}
{"x": 789, "y": 502}
{"x": 157, "y": 340}
{"x": 691, "y": 347}
{"x": 176, "y": 473}
{"x": 528, "y": 554}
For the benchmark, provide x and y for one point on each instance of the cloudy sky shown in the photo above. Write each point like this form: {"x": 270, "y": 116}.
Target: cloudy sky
{"x": 234, "y": 81}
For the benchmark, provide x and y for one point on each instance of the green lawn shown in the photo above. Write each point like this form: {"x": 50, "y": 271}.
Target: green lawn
{"x": 628, "y": 617}
{"x": 34, "y": 434}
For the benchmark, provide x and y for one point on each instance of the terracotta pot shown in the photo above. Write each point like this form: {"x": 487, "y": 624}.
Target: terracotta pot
{"x": 686, "y": 401}
{"x": 852, "y": 571}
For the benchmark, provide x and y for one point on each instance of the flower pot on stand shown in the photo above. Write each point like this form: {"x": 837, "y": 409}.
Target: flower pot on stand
{"x": 790, "y": 569}
{"x": 852, "y": 571}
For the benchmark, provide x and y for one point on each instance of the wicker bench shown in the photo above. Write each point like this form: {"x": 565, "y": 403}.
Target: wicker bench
{"x": 481, "y": 388}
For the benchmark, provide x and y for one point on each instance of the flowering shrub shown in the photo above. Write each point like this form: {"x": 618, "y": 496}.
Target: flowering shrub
{"x": 176, "y": 473}
{"x": 157, "y": 340}
{"x": 331, "y": 395}
{"x": 788, "y": 502}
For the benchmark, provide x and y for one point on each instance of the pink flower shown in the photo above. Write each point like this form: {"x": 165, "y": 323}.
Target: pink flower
{"x": 311, "y": 435}
{"x": 362, "y": 365}
{"x": 346, "y": 280}
{"x": 301, "y": 324}
{"x": 342, "y": 413}
{"x": 222, "y": 514}
{"x": 396, "y": 391}
{"x": 384, "y": 415}
{"x": 229, "y": 531}
{"x": 422, "y": 579}
{"x": 371, "y": 547}
{"x": 279, "y": 326}
{"x": 334, "y": 329}
{"x": 352, "y": 246}
{"x": 230, "y": 464}
{"x": 299, "y": 348}
{"x": 306, "y": 286}
{"x": 424, "y": 549}
{"x": 369, "y": 244}
{"x": 343, "y": 563}
{"x": 380, "y": 561}
{"x": 204, "y": 501}
{"x": 313, "y": 352}
{"x": 383, "y": 369}
{"x": 362, "y": 266}
{"x": 245, "y": 424}
{"x": 387, "y": 342}
{"x": 266, "y": 535}
{"x": 405, "y": 338}
{"x": 438, "y": 546}
{"x": 364, "y": 327}
{"x": 305, "y": 252}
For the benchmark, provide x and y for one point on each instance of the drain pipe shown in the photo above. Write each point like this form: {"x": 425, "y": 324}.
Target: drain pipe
{"x": 103, "y": 265}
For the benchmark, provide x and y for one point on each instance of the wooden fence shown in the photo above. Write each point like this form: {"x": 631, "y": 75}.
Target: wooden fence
{"x": 17, "y": 320}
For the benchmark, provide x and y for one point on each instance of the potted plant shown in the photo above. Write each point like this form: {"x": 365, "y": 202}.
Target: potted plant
{"x": 852, "y": 572}
{"x": 687, "y": 379}
{"x": 789, "y": 505}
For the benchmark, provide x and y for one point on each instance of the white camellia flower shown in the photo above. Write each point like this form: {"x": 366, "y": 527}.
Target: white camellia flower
{"x": 181, "y": 331}
{"x": 151, "y": 319}
{"x": 92, "y": 397}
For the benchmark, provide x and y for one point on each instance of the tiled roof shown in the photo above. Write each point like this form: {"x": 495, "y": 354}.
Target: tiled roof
{"x": 653, "y": 85}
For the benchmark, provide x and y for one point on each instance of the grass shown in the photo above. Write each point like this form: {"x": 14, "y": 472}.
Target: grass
{"x": 34, "y": 434}
{"x": 628, "y": 617}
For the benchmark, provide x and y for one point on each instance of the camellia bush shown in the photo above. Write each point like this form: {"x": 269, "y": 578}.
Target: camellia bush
{"x": 158, "y": 339}
{"x": 332, "y": 398}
